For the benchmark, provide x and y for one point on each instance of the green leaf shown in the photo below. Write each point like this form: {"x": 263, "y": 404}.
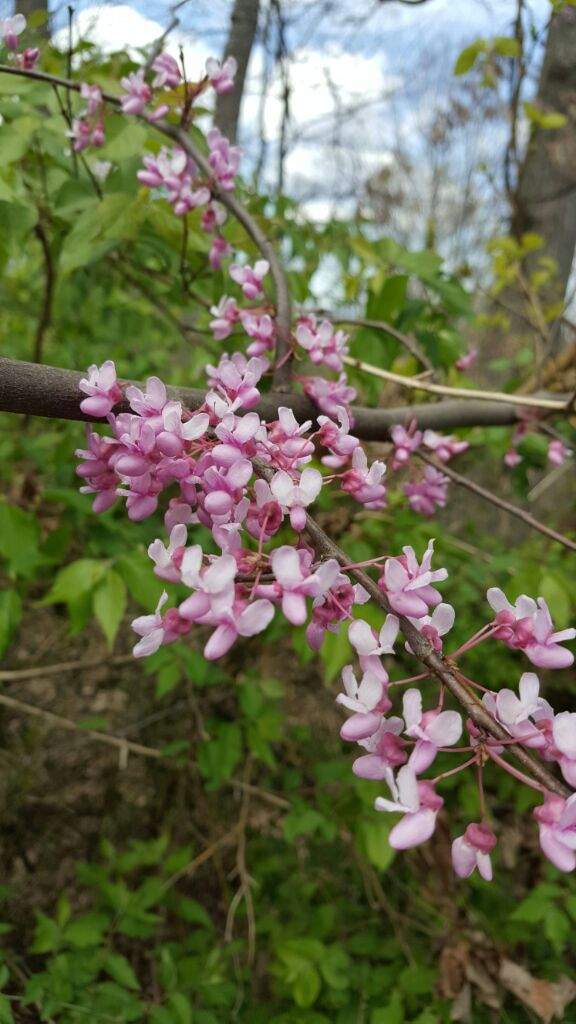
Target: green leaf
{"x": 120, "y": 970}
{"x": 6, "y": 1015}
{"x": 182, "y": 1010}
{"x": 10, "y": 616}
{"x": 144, "y": 587}
{"x": 373, "y": 836}
{"x": 306, "y": 986}
{"x": 467, "y": 58}
{"x": 553, "y": 589}
{"x": 219, "y": 756}
{"x": 86, "y": 931}
{"x": 46, "y": 935}
{"x": 506, "y": 46}
{"x": 75, "y": 580}
{"x": 110, "y": 604}
{"x": 19, "y": 540}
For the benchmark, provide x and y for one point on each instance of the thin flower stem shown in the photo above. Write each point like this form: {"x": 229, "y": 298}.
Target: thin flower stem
{"x": 454, "y": 771}
{"x": 411, "y": 679}
{"x": 516, "y": 772}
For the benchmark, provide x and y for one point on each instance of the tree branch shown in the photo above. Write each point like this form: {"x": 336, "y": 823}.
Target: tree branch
{"x": 494, "y": 499}
{"x": 38, "y": 390}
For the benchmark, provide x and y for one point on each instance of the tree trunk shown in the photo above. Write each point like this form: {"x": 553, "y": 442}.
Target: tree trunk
{"x": 30, "y": 7}
{"x": 546, "y": 194}
{"x": 243, "y": 25}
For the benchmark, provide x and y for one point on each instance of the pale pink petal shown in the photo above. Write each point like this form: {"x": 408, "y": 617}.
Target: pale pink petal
{"x": 413, "y": 830}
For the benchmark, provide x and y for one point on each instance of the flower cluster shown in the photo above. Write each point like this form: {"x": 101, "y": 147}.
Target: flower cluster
{"x": 10, "y": 29}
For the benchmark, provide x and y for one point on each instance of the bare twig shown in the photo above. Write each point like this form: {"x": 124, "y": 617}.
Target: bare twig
{"x": 46, "y": 308}
{"x": 494, "y": 499}
{"x": 38, "y": 672}
{"x": 417, "y": 384}
{"x": 411, "y": 344}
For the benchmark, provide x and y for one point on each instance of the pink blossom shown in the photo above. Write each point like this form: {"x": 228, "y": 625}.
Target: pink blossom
{"x": 366, "y": 700}
{"x": 294, "y": 497}
{"x": 101, "y": 479}
{"x": 329, "y": 610}
{"x": 295, "y": 582}
{"x": 173, "y": 171}
{"x": 221, "y": 75}
{"x": 240, "y": 619}
{"x": 406, "y": 441}
{"x": 239, "y": 437}
{"x": 102, "y": 388}
{"x": 219, "y": 250}
{"x": 564, "y": 736}
{"x": 365, "y": 484}
{"x": 466, "y": 361}
{"x": 407, "y": 584}
{"x": 287, "y": 436}
{"x": 167, "y": 72}
{"x": 418, "y": 802}
{"x": 213, "y": 217}
{"x": 264, "y": 516}
{"x": 523, "y": 715}
{"x": 323, "y": 344}
{"x": 178, "y": 511}
{"x": 527, "y": 625}
{"x": 93, "y": 96}
{"x": 86, "y": 133}
{"x": 557, "y": 827}
{"x": 329, "y": 395}
{"x": 138, "y": 93}
{"x": 431, "y": 730}
{"x": 472, "y": 850}
{"x": 557, "y": 452}
{"x": 444, "y": 447}
{"x": 250, "y": 278}
{"x": 236, "y": 377}
{"x": 168, "y": 558}
{"x": 150, "y": 403}
{"x": 337, "y": 439}
{"x": 11, "y": 28}
{"x": 435, "y": 626}
{"x": 28, "y": 58}
{"x": 512, "y": 458}
{"x": 158, "y": 629}
{"x": 365, "y": 642}
{"x": 225, "y": 314}
{"x": 427, "y": 493}
{"x": 224, "y": 159}
{"x": 385, "y": 752}
{"x": 262, "y": 329}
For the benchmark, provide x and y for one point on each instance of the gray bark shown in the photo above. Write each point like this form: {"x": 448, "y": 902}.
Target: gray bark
{"x": 243, "y": 25}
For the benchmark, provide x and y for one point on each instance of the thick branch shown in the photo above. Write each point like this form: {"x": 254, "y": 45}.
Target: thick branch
{"x": 494, "y": 499}
{"x": 35, "y": 390}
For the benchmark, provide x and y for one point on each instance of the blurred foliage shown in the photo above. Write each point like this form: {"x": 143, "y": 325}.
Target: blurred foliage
{"x": 344, "y": 931}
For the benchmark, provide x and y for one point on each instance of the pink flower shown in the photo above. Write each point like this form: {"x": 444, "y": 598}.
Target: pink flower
{"x": 431, "y": 730}
{"x": 329, "y": 395}
{"x": 294, "y": 497}
{"x": 337, "y": 439}
{"x": 287, "y": 436}
{"x": 101, "y": 478}
{"x": 221, "y": 75}
{"x": 236, "y": 377}
{"x": 366, "y": 700}
{"x": 28, "y": 58}
{"x": 219, "y": 250}
{"x": 102, "y": 388}
{"x": 405, "y": 442}
{"x": 564, "y": 735}
{"x": 428, "y": 493}
{"x": 167, "y": 72}
{"x": 148, "y": 404}
{"x": 264, "y": 516}
{"x": 250, "y": 278}
{"x": 138, "y": 93}
{"x": 329, "y": 610}
{"x": 528, "y": 626}
{"x": 93, "y": 96}
{"x": 443, "y": 447}
{"x": 86, "y": 133}
{"x": 224, "y": 159}
{"x": 557, "y": 452}
{"x": 239, "y": 437}
{"x": 407, "y": 584}
{"x": 240, "y": 619}
{"x": 557, "y": 826}
{"x": 435, "y": 626}
{"x": 296, "y": 583}
{"x": 323, "y": 344}
{"x": 418, "y": 802}
{"x": 11, "y": 28}
{"x": 225, "y": 314}
{"x": 262, "y": 329}
{"x": 157, "y": 630}
{"x": 168, "y": 559}
{"x": 365, "y": 642}
{"x": 365, "y": 484}
{"x": 472, "y": 850}
{"x": 468, "y": 360}
{"x": 522, "y": 715}
{"x": 512, "y": 458}
{"x": 213, "y": 217}
{"x": 385, "y": 752}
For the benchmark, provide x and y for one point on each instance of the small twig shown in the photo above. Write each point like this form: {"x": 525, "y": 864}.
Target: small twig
{"x": 244, "y": 891}
{"x": 406, "y": 340}
{"x": 206, "y": 855}
{"x": 10, "y": 675}
{"x": 443, "y": 389}
{"x": 494, "y": 499}
{"x": 46, "y": 308}
{"x": 125, "y": 746}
